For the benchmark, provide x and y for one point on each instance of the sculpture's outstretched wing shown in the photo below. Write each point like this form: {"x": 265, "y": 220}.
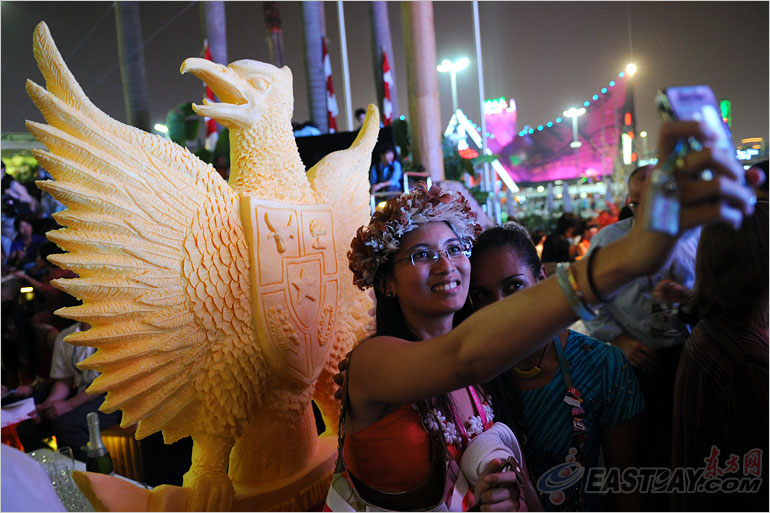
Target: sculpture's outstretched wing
{"x": 342, "y": 179}
{"x": 155, "y": 237}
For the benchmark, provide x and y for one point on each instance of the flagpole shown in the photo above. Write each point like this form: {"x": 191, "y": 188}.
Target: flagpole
{"x": 489, "y": 180}
{"x": 345, "y": 72}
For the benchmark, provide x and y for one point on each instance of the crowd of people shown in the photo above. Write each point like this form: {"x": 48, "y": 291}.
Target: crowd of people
{"x": 36, "y": 362}
{"x": 475, "y": 392}
{"x": 29, "y": 326}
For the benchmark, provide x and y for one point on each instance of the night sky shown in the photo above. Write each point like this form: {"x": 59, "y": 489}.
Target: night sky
{"x": 547, "y": 55}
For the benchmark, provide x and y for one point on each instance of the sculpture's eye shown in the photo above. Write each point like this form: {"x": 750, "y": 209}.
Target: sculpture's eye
{"x": 259, "y": 83}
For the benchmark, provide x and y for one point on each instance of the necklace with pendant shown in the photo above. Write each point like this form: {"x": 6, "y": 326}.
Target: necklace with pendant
{"x": 532, "y": 371}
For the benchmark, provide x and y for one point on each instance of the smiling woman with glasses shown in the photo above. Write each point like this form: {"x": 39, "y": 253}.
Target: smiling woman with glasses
{"x": 412, "y": 417}
{"x": 414, "y": 253}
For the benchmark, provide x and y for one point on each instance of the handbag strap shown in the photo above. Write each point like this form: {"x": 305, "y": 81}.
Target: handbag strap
{"x": 479, "y": 405}
{"x": 339, "y": 465}
{"x": 479, "y": 410}
{"x": 573, "y": 399}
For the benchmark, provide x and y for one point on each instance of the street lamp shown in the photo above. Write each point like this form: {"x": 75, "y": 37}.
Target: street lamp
{"x": 574, "y": 113}
{"x": 631, "y": 71}
{"x": 643, "y": 135}
{"x": 452, "y": 68}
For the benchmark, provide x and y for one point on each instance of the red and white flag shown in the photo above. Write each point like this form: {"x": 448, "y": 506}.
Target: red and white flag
{"x": 211, "y": 125}
{"x": 387, "y": 82}
{"x": 331, "y": 100}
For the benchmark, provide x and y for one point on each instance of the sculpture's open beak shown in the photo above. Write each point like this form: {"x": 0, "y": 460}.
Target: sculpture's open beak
{"x": 223, "y": 81}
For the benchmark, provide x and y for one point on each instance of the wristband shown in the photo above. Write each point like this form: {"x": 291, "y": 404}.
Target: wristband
{"x": 569, "y": 288}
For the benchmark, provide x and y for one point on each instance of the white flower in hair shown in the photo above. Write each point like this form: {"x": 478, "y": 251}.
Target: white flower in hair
{"x": 374, "y": 243}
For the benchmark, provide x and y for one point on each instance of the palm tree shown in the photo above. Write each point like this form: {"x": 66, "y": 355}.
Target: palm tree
{"x": 132, "y": 70}
{"x": 214, "y": 27}
{"x": 378, "y": 13}
{"x": 312, "y": 18}
{"x": 275, "y": 33}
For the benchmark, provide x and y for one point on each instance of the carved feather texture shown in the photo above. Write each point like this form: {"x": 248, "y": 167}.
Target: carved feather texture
{"x": 155, "y": 237}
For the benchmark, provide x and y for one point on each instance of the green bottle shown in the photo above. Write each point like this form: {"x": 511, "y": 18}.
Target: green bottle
{"x": 98, "y": 458}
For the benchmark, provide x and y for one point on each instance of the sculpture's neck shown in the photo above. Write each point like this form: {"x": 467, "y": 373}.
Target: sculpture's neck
{"x": 264, "y": 162}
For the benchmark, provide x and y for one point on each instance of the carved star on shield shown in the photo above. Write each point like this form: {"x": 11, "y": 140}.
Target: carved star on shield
{"x": 304, "y": 286}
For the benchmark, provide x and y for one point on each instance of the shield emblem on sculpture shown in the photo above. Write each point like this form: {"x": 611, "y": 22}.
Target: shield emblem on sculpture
{"x": 294, "y": 284}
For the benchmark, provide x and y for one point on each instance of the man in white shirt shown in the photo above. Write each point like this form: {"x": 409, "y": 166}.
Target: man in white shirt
{"x": 649, "y": 336}
{"x": 63, "y": 412}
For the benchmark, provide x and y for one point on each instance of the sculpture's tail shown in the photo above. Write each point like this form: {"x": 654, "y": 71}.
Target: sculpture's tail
{"x": 367, "y": 136}
{"x": 350, "y": 187}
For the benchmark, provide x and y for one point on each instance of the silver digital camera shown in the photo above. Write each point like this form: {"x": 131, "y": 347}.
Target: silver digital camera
{"x": 686, "y": 103}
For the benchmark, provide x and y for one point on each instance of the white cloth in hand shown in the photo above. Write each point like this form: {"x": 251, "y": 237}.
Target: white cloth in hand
{"x": 496, "y": 442}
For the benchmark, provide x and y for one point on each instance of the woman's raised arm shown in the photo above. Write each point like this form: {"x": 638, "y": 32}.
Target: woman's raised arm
{"x": 489, "y": 342}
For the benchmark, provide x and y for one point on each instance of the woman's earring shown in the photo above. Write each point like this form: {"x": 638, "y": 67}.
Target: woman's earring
{"x": 389, "y": 295}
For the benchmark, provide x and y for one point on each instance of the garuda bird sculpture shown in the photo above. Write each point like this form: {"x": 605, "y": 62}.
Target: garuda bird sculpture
{"x": 219, "y": 310}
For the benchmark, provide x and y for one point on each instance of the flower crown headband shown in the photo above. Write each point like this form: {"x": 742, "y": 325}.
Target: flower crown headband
{"x": 374, "y": 243}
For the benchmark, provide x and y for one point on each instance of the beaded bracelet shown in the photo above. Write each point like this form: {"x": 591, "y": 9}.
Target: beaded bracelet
{"x": 566, "y": 279}
{"x": 590, "y": 273}
{"x": 573, "y": 284}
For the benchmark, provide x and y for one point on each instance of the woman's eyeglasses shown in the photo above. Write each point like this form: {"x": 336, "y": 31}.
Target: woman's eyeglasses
{"x": 430, "y": 256}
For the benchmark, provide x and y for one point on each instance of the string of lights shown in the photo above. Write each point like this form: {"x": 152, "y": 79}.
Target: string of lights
{"x": 587, "y": 103}
{"x": 498, "y": 105}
